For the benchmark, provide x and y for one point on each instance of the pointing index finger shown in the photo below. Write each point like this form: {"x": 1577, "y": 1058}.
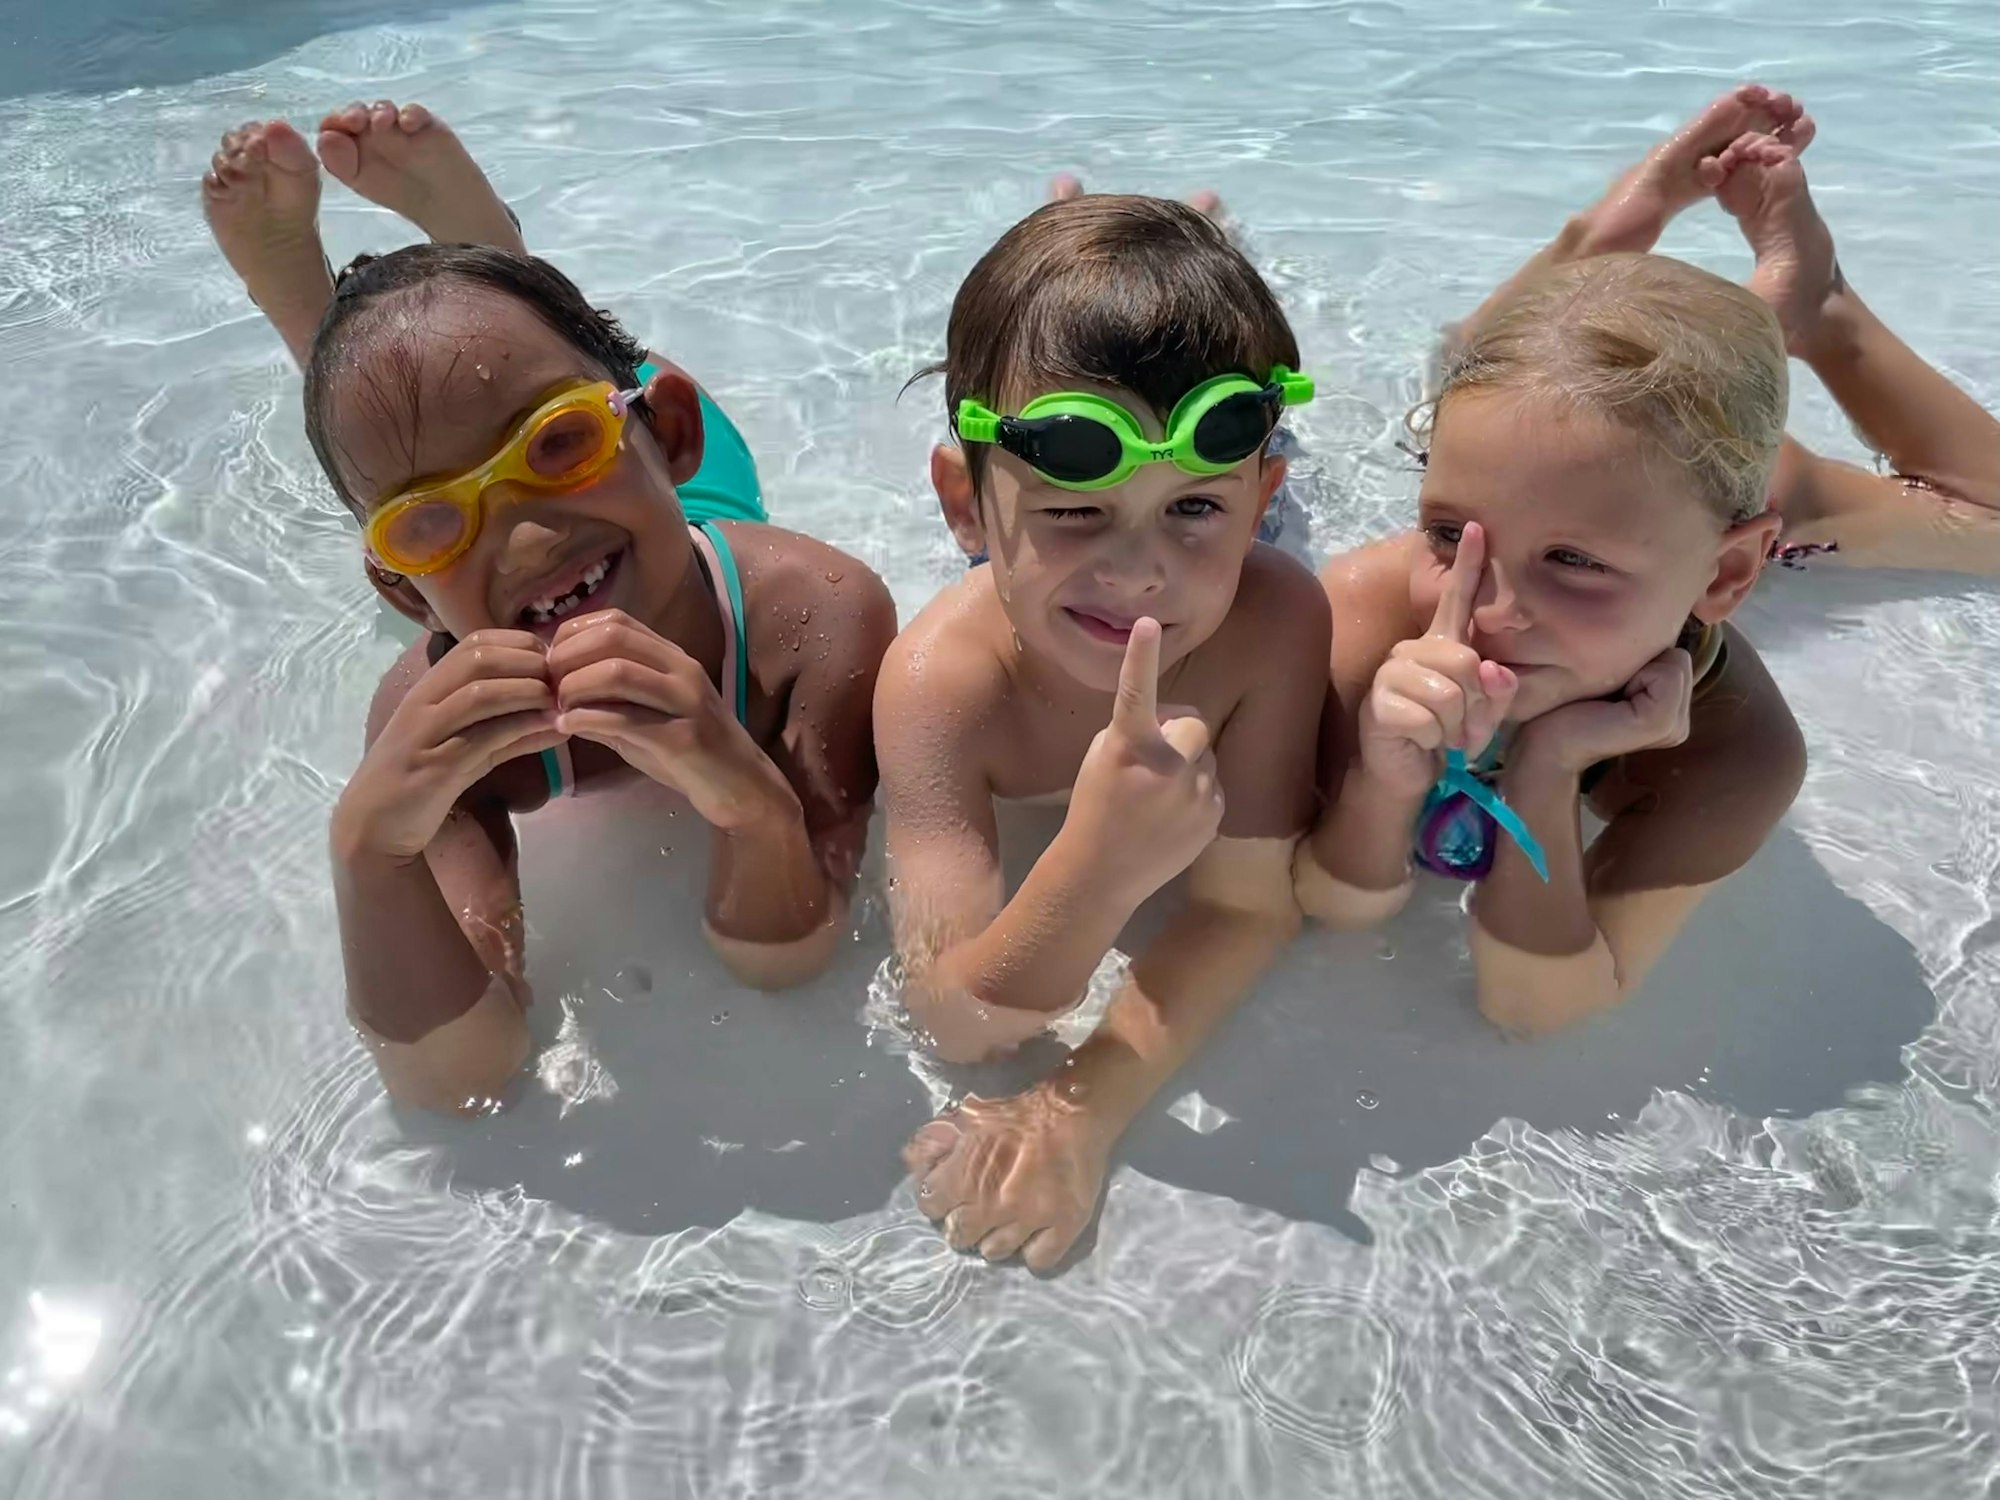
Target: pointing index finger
{"x": 1453, "y": 619}
{"x": 1136, "y": 708}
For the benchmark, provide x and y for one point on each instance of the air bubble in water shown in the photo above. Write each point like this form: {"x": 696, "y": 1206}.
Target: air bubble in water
{"x": 1366, "y": 1100}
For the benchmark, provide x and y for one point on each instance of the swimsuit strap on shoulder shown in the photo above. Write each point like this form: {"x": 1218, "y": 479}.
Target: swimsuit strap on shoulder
{"x": 714, "y": 547}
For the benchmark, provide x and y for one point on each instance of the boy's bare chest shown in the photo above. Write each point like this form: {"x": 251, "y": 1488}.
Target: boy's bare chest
{"x": 1038, "y": 747}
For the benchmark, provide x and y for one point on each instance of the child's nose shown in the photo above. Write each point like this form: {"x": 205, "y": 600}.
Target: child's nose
{"x": 1130, "y": 562}
{"x": 1498, "y": 606}
{"x": 526, "y": 543}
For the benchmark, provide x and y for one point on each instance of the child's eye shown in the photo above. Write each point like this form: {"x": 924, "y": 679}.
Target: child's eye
{"x": 1566, "y": 557}
{"x": 1444, "y": 533}
{"x": 1194, "y": 507}
{"x": 1070, "y": 512}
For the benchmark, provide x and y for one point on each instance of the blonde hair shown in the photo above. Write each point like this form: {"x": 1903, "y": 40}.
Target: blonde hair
{"x": 1692, "y": 363}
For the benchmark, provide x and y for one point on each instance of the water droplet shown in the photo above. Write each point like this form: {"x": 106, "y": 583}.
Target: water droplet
{"x": 1075, "y": 1091}
{"x": 718, "y": 1018}
{"x": 924, "y": 1191}
{"x": 1366, "y": 1100}
{"x": 482, "y": 372}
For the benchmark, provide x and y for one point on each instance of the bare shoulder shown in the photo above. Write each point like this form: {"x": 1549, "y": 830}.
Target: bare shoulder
{"x": 780, "y": 567}
{"x": 1742, "y": 762}
{"x": 1742, "y": 730}
{"x": 942, "y": 675}
{"x": 1279, "y": 622}
{"x": 1368, "y": 590}
{"x": 404, "y": 673}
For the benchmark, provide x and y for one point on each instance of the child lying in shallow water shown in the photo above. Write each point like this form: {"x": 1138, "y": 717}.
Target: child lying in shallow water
{"x": 598, "y": 597}
{"x": 1114, "y": 369}
{"x": 1607, "y": 473}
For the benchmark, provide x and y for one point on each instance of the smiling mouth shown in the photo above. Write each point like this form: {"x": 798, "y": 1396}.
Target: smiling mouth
{"x": 569, "y": 592}
{"x": 1110, "y": 630}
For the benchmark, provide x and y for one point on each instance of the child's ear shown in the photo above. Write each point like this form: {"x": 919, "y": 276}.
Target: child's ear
{"x": 673, "y": 416}
{"x": 1745, "y": 548}
{"x": 1271, "y": 474}
{"x": 951, "y": 477}
{"x": 402, "y": 596}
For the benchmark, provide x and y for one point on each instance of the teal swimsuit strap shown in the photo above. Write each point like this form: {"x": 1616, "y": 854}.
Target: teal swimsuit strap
{"x": 732, "y": 585}
{"x": 1458, "y": 777}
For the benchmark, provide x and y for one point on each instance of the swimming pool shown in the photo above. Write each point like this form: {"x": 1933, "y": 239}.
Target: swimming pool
{"x": 1740, "y": 1238}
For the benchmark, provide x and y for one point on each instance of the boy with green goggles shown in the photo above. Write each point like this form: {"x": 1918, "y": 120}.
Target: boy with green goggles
{"x": 1083, "y": 442}
{"x": 1125, "y": 644}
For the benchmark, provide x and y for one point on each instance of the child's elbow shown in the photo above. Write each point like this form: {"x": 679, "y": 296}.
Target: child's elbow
{"x": 1334, "y": 903}
{"x": 780, "y": 966}
{"x": 465, "y": 1066}
{"x": 1537, "y": 995}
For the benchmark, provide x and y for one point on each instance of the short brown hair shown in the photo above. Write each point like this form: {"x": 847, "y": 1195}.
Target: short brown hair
{"x": 1140, "y": 293}
{"x": 1693, "y": 363}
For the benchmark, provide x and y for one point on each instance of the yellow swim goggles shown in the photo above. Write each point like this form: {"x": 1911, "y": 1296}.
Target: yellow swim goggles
{"x": 563, "y": 444}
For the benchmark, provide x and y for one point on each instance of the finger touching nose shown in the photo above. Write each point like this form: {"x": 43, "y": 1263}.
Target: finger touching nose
{"x": 1498, "y": 604}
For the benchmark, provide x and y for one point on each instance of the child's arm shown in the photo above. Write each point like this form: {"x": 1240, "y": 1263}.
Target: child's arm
{"x": 1681, "y": 818}
{"x": 424, "y": 875}
{"x": 790, "y": 820}
{"x": 1412, "y": 698}
{"x": 826, "y": 753}
{"x": 984, "y": 975}
{"x": 1024, "y": 1174}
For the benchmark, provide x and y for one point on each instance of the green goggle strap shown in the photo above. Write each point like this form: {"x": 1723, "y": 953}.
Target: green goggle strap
{"x": 978, "y": 423}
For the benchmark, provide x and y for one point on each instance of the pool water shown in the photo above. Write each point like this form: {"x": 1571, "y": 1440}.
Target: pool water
{"x": 1739, "y": 1239}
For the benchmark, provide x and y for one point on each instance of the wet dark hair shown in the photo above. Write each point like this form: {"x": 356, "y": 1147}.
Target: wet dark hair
{"x": 1140, "y": 293}
{"x": 366, "y": 292}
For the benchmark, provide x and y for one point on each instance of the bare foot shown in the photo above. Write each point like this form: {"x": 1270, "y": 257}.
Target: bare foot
{"x": 1760, "y": 181}
{"x": 1635, "y": 212}
{"x": 261, "y": 195}
{"x": 1012, "y": 1176}
{"x": 408, "y": 160}
{"x": 1067, "y": 185}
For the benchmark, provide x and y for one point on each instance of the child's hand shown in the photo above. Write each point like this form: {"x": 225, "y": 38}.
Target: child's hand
{"x": 487, "y": 701}
{"x": 1435, "y": 693}
{"x": 1650, "y": 714}
{"x": 1147, "y": 800}
{"x": 1007, "y": 1176}
{"x": 622, "y": 685}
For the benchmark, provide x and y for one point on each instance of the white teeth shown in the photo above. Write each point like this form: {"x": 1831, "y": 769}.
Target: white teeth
{"x": 554, "y": 607}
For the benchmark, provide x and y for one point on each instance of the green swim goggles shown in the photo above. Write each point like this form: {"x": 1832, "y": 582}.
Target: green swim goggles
{"x": 1078, "y": 441}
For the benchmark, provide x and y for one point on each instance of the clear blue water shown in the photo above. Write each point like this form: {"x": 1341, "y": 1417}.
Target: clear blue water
{"x": 1740, "y": 1239}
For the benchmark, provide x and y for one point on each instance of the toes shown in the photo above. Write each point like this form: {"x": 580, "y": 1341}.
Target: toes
{"x": 1064, "y": 186}
{"x": 287, "y": 149}
{"x": 1800, "y": 132}
{"x": 1713, "y": 171}
{"x": 352, "y": 118}
{"x": 340, "y": 152}
{"x": 1207, "y": 203}
{"x": 1046, "y": 1247}
{"x": 381, "y": 114}
{"x": 966, "y": 1225}
{"x": 412, "y": 118}
{"x": 929, "y": 1146}
{"x": 1005, "y": 1241}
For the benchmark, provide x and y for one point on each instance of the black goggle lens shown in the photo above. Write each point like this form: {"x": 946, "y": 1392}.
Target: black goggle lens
{"x": 1072, "y": 449}
{"x": 1234, "y": 428}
